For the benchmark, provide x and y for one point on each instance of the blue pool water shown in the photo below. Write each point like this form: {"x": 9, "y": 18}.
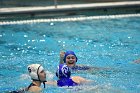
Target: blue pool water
{"x": 108, "y": 44}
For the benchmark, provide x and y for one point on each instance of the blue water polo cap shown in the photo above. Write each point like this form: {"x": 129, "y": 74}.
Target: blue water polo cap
{"x": 69, "y": 53}
{"x": 63, "y": 71}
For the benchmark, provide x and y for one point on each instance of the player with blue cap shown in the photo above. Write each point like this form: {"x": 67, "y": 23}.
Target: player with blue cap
{"x": 70, "y": 59}
{"x": 64, "y": 74}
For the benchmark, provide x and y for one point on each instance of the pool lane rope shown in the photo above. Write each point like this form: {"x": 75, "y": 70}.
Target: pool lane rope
{"x": 68, "y": 19}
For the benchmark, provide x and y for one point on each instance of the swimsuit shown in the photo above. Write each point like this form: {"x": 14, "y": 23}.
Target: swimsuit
{"x": 66, "y": 82}
{"x": 23, "y": 90}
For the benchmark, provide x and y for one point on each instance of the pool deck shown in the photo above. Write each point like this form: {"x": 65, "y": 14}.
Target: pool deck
{"x": 64, "y": 8}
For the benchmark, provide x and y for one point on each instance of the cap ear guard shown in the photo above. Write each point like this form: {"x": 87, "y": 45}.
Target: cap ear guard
{"x": 29, "y": 70}
{"x": 34, "y": 76}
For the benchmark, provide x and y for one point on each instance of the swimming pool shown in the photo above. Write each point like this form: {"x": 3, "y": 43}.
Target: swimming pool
{"x": 104, "y": 43}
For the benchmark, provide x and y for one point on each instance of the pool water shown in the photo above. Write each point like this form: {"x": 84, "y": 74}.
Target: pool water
{"x": 112, "y": 44}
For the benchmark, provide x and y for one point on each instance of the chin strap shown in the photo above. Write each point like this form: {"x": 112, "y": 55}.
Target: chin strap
{"x": 36, "y": 80}
{"x": 44, "y": 84}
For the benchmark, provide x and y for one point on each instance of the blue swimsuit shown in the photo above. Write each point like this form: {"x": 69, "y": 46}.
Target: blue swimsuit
{"x": 66, "y": 82}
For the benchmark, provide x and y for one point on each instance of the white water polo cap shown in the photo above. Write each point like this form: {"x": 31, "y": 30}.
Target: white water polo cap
{"x": 34, "y": 70}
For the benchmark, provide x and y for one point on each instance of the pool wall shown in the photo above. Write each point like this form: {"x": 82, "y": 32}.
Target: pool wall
{"x": 25, "y": 3}
{"x": 127, "y": 7}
